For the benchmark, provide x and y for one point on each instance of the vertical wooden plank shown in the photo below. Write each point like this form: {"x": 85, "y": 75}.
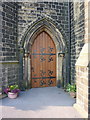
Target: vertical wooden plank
{"x": 41, "y": 57}
{"x": 46, "y": 58}
{"x": 53, "y": 63}
{"x": 44, "y": 62}
{"x": 37, "y": 62}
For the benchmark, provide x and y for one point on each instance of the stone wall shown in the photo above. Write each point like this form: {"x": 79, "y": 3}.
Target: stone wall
{"x": 9, "y": 49}
{"x": 58, "y": 12}
{"x": 83, "y": 70}
{"x": 15, "y": 19}
{"x": 82, "y": 80}
{"x": 1, "y": 44}
{"x": 77, "y": 15}
{"x": 9, "y": 30}
{"x": 30, "y": 11}
{"x": 10, "y": 73}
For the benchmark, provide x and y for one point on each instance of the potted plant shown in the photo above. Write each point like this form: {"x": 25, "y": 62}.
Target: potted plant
{"x": 71, "y": 89}
{"x": 67, "y": 88}
{"x": 12, "y": 91}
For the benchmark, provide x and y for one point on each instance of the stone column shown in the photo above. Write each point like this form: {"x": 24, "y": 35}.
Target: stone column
{"x": 59, "y": 67}
{"x": 20, "y": 67}
{"x": 25, "y": 65}
{"x": 83, "y": 70}
{"x": 29, "y": 71}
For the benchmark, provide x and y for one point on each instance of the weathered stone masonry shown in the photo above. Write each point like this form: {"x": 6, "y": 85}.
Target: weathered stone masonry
{"x": 0, "y": 45}
{"x": 15, "y": 18}
{"x": 9, "y": 57}
{"x": 28, "y": 13}
{"x": 83, "y": 69}
{"x": 77, "y": 15}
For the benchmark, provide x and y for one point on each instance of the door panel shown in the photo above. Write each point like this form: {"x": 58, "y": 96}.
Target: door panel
{"x": 43, "y": 61}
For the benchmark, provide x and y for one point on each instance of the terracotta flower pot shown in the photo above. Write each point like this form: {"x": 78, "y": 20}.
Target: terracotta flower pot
{"x": 73, "y": 94}
{"x": 12, "y": 95}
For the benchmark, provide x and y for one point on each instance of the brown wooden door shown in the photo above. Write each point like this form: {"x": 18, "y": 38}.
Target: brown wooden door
{"x": 43, "y": 61}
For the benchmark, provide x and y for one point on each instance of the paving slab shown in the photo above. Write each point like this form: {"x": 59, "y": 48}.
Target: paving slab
{"x": 48, "y": 102}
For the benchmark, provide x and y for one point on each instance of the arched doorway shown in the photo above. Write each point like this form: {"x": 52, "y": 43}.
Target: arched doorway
{"x": 43, "y": 61}
{"x": 57, "y": 37}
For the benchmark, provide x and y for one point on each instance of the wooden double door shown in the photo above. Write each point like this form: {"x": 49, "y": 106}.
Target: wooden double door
{"x": 43, "y": 61}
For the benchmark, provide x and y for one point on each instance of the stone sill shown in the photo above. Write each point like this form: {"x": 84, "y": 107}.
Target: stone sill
{"x": 9, "y": 62}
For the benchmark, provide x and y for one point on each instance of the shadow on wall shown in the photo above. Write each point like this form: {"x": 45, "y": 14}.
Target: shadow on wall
{"x": 40, "y": 98}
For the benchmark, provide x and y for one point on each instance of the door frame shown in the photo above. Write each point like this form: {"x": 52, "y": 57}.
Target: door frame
{"x": 59, "y": 61}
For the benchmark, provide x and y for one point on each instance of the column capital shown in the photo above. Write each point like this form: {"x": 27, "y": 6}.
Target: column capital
{"x": 26, "y": 55}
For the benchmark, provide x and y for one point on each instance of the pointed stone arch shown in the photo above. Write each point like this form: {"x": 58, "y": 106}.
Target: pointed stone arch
{"x": 47, "y": 24}
{"x": 59, "y": 37}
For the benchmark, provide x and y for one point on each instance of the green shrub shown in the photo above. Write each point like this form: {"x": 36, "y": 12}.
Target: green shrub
{"x": 12, "y": 87}
{"x": 70, "y": 88}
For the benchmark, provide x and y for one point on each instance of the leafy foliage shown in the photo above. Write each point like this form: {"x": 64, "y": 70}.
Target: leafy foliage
{"x": 12, "y": 88}
{"x": 70, "y": 88}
